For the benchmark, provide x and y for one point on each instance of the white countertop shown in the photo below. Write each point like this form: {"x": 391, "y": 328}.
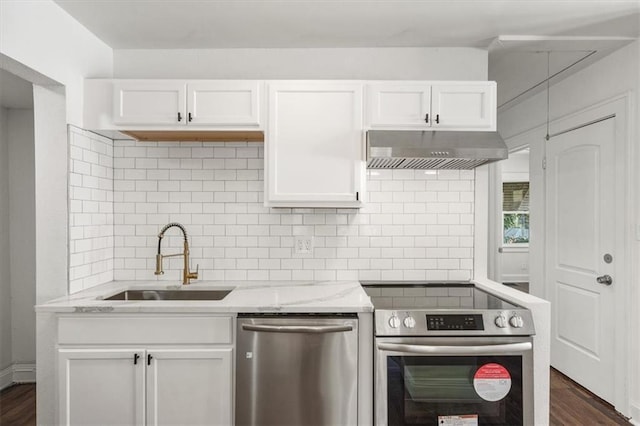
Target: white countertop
{"x": 246, "y": 296}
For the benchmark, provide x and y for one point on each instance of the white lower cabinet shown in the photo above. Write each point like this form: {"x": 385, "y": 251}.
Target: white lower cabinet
{"x": 101, "y": 386}
{"x": 145, "y": 386}
{"x": 145, "y": 370}
{"x": 189, "y": 387}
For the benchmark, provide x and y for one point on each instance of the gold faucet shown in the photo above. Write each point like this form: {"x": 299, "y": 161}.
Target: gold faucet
{"x": 186, "y": 274}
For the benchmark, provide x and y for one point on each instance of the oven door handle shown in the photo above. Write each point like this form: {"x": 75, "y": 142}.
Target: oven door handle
{"x": 457, "y": 350}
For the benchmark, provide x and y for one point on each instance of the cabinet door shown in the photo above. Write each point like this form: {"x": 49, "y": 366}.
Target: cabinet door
{"x": 101, "y": 386}
{"x": 465, "y": 106}
{"x": 190, "y": 387}
{"x": 399, "y": 105}
{"x": 224, "y": 103}
{"x": 149, "y": 102}
{"x": 314, "y": 146}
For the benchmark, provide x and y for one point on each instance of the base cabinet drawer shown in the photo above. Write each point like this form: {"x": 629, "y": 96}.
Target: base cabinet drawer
{"x": 144, "y": 329}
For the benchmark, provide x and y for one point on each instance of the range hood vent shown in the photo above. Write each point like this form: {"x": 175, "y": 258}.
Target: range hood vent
{"x": 406, "y": 149}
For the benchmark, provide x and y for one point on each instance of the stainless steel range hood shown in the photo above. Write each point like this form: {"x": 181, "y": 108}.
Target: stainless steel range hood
{"x": 407, "y": 149}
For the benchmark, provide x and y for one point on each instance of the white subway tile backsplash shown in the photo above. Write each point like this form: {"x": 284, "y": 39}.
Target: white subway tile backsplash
{"x": 416, "y": 224}
{"x": 91, "y": 210}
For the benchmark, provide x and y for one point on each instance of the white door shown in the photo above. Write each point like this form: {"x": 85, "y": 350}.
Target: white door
{"x": 189, "y": 387}
{"x": 399, "y": 105}
{"x": 464, "y": 106}
{"x": 314, "y": 145}
{"x": 224, "y": 103}
{"x": 581, "y": 229}
{"x": 149, "y": 102}
{"x": 101, "y": 386}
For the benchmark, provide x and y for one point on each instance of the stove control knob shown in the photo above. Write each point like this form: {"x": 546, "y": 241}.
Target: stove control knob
{"x": 501, "y": 321}
{"x": 409, "y": 321}
{"x": 516, "y": 321}
{"x": 394, "y": 321}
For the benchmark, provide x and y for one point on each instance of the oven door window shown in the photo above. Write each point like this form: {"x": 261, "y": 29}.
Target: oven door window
{"x": 424, "y": 390}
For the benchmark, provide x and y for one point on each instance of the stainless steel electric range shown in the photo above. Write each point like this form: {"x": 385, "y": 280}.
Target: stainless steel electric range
{"x": 449, "y": 353}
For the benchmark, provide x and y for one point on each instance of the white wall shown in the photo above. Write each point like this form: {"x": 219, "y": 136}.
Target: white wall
{"x": 6, "y": 357}
{"x": 43, "y": 37}
{"x": 345, "y": 63}
{"x": 514, "y": 260}
{"x": 616, "y": 74}
{"x": 51, "y": 167}
{"x": 516, "y": 167}
{"x": 415, "y": 225}
{"x": 17, "y": 245}
{"x": 515, "y": 265}
{"x": 22, "y": 235}
{"x": 613, "y": 75}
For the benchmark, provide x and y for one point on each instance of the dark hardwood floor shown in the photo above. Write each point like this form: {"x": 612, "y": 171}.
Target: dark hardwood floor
{"x": 18, "y": 405}
{"x": 570, "y": 405}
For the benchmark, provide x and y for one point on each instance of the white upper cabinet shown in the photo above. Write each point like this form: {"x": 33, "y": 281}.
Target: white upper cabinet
{"x": 315, "y": 145}
{"x": 175, "y": 103}
{"x": 432, "y": 105}
{"x": 224, "y": 103}
{"x": 397, "y": 105}
{"x": 464, "y": 106}
{"x": 149, "y": 102}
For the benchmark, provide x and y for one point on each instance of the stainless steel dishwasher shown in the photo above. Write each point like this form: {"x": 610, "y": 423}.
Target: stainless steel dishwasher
{"x": 297, "y": 370}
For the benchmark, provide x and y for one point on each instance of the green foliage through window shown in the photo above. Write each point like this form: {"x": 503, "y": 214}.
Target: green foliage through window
{"x": 516, "y": 227}
{"x": 515, "y": 212}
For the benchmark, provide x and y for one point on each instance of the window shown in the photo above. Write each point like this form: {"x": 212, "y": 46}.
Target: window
{"x": 515, "y": 213}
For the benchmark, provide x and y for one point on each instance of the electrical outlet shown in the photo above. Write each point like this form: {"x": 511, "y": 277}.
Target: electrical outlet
{"x": 303, "y": 245}
{"x": 524, "y": 266}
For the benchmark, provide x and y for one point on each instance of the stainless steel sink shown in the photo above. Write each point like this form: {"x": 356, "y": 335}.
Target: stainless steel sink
{"x": 170, "y": 295}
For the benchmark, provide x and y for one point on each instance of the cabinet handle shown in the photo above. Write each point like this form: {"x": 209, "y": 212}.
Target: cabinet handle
{"x": 135, "y": 359}
{"x": 149, "y": 357}
{"x": 357, "y": 196}
{"x": 179, "y": 117}
{"x": 437, "y": 118}
{"x": 190, "y": 118}
{"x": 426, "y": 118}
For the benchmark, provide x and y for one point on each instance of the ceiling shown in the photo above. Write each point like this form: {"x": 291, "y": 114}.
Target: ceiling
{"x": 522, "y": 64}
{"x": 15, "y": 92}
{"x": 573, "y": 30}
{"x": 191, "y": 24}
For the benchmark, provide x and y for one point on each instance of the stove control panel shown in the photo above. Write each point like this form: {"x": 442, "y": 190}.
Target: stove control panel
{"x": 409, "y": 321}
{"x": 394, "y": 321}
{"x": 516, "y": 321}
{"x": 513, "y": 322}
{"x": 501, "y": 321}
{"x": 455, "y": 322}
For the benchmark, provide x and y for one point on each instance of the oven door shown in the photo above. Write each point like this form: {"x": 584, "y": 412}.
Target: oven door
{"x": 454, "y": 380}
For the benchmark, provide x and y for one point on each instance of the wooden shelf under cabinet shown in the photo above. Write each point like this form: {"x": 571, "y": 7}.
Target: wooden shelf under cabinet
{"x": 195, "y": 135}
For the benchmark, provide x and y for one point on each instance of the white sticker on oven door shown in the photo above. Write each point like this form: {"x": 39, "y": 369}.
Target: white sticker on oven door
{"x": 464, "y": 420}
{"x": 492, "y": 382}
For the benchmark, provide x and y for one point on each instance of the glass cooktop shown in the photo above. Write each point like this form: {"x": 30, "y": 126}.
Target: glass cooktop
{"x": 428, "y": 295}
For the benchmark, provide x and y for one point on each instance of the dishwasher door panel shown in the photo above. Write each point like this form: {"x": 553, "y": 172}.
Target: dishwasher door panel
{"x": 296, "y": 371}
